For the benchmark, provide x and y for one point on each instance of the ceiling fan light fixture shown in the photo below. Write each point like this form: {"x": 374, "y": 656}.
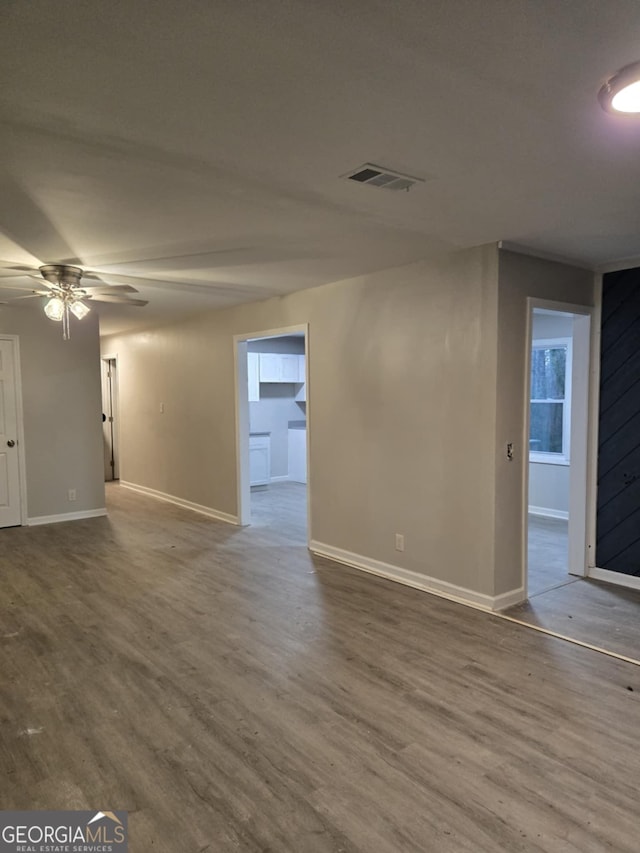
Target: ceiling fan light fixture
{"x": 54, "y": 309}
{"x": 621, "y": 93}
{"x": 79, "y": 309}
{"x": 65, "y": 295}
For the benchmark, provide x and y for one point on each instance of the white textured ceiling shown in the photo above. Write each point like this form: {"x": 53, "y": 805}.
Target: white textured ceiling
{"x": 202, "y": 142}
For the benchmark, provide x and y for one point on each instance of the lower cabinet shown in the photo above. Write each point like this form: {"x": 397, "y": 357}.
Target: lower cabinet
{"x": 260, "y": 459}
{"x": 298, "y": 455}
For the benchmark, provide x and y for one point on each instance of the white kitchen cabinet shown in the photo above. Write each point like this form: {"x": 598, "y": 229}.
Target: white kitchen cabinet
{"x": 260, "y": 459}
{"x": 298, "y": 455}
{"x": 281, "y": 367}
{"x": 253, "y": 376}
{"x": 270, "y": 367}
{"x": 290, "y": 368}
{"x": 301, "y": 391}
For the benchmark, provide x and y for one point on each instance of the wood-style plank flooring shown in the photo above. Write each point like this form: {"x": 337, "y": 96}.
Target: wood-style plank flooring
{"x": 548, "y": 554}
{"x": 234, "y": 694}
{"x": 600, "y": 614}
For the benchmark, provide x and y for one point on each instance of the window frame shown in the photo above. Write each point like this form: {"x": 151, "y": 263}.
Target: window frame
{"x": 564, "y": 457}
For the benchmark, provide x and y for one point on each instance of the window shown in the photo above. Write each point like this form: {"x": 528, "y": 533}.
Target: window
{"x": 550, "y": 415}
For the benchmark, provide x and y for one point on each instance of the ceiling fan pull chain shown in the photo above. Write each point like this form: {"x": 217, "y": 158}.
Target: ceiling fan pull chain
{"x": 66, "y": 332}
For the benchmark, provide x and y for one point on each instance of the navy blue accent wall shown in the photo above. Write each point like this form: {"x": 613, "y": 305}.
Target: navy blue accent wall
{"x": 618, "y": 525}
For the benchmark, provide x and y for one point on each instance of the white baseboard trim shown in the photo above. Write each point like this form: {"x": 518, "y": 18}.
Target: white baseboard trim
{"x": 617, "y": 578}
{"x": 417, "y": 580}
{"x": 509, "y": 599}
{"x": 66, "y": 516}
{"x": 546, "y": 512}
{"x": 281, "y": 478}
{"x": 172, "y": 499}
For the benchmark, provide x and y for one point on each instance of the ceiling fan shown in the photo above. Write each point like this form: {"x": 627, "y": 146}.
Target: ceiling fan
{"x": 62, "y": 286}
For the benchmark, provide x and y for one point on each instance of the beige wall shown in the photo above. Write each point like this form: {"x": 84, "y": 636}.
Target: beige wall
{"x": 521, "y": 277}
{"x": 61, "y": 404}
{"x": 402, "y": 411}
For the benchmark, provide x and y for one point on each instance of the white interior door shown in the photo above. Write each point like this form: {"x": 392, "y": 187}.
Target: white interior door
{"x": 110, "y": 418}
{"x": 10, "y": 513}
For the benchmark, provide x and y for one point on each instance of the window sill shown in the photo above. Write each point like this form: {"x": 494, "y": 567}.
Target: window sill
{"x": 548, "y": 459}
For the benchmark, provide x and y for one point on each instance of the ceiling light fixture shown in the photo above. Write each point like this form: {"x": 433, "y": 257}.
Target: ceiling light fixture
{"x": 66, "y": 295}
{"x": 59, "y": 307}
{"x": 79, "y": 309}
{"x": 54, "y": 309}
{"x": 621, "y": 93}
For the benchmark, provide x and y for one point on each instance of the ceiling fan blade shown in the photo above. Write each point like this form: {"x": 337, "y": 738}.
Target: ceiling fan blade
{"x": 160, "y": 284}
{"x": 33, "y": 295}
{"x": 102, "y": 276}
{"x": 7, "y": 286}
{"x": 44, "y": 282}
{"x": 120, "y": 300}
{"x": 108, "y": 288}
{"x": 203, "y": 288}
{"x": 10, "y": 265}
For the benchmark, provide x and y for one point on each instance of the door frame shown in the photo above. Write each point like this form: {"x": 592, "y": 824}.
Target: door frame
{"x": 243, "y": 486}
{"x": 22, "y": 466}
{"x": 115, "y": 394}
{"x": 581, "y": 478}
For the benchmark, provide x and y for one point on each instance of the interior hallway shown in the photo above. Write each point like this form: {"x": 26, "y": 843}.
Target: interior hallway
{"x": 233, "y": 693}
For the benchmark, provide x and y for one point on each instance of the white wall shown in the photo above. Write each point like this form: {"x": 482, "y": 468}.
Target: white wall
{"x": 549, "y": 489}
{"x": 402, "y": 416}
{"x": 549, "y": 326}
{"x": 62, "y": 411}
{"x": 548, "y": 482}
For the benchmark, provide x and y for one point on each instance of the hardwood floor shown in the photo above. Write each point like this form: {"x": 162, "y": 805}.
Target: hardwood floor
{"x": 281, "y": 507}
{"x": 548, "y": 554}
{"x": 235, "y": 694}
{"x": 600, "y": 614}
{"x": 588, "y": 611}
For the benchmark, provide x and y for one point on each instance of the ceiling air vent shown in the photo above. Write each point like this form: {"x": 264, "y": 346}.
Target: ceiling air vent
{"x": 385, "y": 179}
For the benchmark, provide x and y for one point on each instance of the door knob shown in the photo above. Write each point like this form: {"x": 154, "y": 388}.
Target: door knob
{"x": 11, "y": 443}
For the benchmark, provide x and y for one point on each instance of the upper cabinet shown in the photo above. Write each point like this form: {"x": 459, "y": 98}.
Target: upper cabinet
{"x": 281, "y": 367}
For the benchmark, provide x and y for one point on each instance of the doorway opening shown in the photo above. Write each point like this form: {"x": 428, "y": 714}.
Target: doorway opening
{"x": 110, "y": 418}
{"x": 272, "y": 429}
{"x": 13, "y": 487}
{"x": 557, "y": 425}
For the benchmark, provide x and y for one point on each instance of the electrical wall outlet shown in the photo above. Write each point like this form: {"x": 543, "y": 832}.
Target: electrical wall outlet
{"x": 399, "y": 541}
{"x": 72, "y": 494}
